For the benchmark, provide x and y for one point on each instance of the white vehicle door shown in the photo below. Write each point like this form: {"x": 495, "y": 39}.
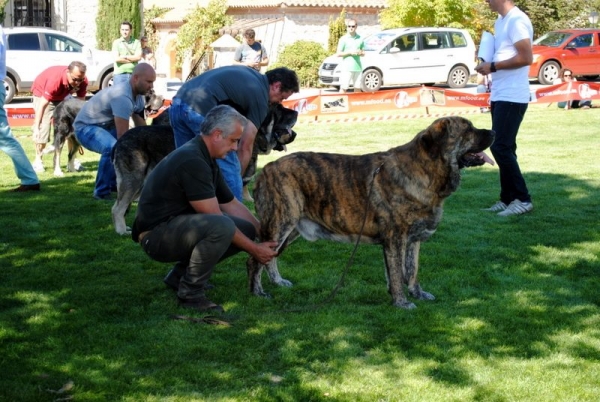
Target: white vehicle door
{"x": 436, "y": 57}
{"x": 63, "y": 50}
{"x": 400, "y": 63}
{"x": 23, "y": 55}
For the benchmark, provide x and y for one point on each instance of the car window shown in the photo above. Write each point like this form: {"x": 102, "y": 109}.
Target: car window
{"x": 376, "y": 41}
{"x": 24, "y": 41}
{"x": 58, "y": 43}
{"x": 458, "y": 39}
{"x": 435, "y": 40}
{"x": 552, "y": 39}
{"x": 583, "y": 40}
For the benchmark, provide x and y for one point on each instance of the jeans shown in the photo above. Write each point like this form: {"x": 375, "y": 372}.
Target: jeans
{"x": 197, "y": 243}
{"x": 13, "y": 148}
{"x": 102, "y": 141}
{"x": 506, "y": 120}
{"x": 186, "y": 123}
{"x": 118, "y": 78}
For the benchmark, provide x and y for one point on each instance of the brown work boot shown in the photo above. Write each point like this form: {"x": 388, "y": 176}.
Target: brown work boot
{"x": 200, "y": 304}
{"x": 26, "y": 187}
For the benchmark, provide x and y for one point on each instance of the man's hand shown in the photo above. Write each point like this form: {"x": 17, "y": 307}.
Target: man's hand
{"x": 265, "y": 252}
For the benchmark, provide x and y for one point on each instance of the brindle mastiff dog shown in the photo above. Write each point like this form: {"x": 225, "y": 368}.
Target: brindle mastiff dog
{"x": 398, "y": 195}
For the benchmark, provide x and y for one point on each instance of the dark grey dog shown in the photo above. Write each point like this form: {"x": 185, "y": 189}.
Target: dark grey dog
{"x": 64, "y": 116}
{"x": 140, "y": 149}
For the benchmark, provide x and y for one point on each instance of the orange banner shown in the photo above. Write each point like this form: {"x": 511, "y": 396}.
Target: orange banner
{"x": 394, "y": 100}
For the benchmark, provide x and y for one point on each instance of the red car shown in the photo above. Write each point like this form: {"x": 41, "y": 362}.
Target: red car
{"x": 575, "y": 49}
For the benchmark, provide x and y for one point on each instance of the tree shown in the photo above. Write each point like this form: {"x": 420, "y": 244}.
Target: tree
{"x": 149, "y": 28}
{"x": 304, "y": 57}
{"x": 110, "y": 15}
{"x": 201, "y": 28}
{"x": 337, "y": 29}
{"x": 2, "y": 10}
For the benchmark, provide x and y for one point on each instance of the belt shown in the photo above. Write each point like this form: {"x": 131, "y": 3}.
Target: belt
{"x": 142, "y": 235}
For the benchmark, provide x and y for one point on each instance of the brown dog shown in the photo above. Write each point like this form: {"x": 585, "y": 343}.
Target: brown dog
{"x": 398, "y": 195}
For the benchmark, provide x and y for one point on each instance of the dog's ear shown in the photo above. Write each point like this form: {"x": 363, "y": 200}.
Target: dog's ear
{"x": 433, "y": 138}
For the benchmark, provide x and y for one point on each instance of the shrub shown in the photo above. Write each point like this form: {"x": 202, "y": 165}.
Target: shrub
{"x": 304, "y": 57}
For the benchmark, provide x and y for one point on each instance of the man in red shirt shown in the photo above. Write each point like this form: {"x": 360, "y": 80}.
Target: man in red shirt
{"x": 51, "y": 87}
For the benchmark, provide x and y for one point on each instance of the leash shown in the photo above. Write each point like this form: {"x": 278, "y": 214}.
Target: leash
{"x": 340, "y": 283}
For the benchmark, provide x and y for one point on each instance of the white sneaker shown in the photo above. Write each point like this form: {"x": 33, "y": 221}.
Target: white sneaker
{"x": 517, "y": 208}
{"x": 48, "y": 149}
{"x": 38, "y": 166}
{"x": 497, "y": 207}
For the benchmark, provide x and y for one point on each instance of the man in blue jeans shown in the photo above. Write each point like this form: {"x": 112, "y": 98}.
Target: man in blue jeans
{"x": 247, "y": 91}
{"x": 105, "y": 118}
{"x": 8, "y": 143}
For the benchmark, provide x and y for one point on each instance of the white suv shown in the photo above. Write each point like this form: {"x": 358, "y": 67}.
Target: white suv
{"x": 30, "y": 50}
{"x": 404, "y": 56}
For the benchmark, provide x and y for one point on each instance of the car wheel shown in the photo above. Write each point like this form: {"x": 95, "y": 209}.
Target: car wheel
{"x": 548, "y": 73}
{"x": 458, "y": 77}
{"x": 107, "y": 81}
{"x": 371, "y": 80}
{"x": 10, "y": 89}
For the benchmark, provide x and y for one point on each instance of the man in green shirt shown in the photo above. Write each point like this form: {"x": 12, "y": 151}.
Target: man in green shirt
{"x": 127, "y": 52}
{"x": 350, "y": 47}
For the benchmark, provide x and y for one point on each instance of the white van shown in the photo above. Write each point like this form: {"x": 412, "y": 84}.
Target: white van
{"x": 404, "y": 56}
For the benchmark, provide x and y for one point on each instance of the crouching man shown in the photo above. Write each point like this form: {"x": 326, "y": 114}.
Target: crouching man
{"x": 187, "y": 214}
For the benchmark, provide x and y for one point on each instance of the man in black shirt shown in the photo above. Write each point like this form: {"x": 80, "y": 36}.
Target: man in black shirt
{"x": 187, "y": 213}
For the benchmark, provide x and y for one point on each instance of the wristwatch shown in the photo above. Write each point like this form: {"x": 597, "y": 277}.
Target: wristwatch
{"x": 493, "y": 67}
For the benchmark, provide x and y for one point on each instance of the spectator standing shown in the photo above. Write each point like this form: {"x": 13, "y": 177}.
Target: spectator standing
{"x": 509, "y": 100}
{"x": 350, "y": 48}
{"x": 147, "y": 53}
{"x": 565, "y": 76}
{"x": 105, "y": 118}
{"x": 8, "y": 143}
{"x": 127, "y": 52}
{"x": 187, "y": 213}
{"x": 50, "y": 87}
{"x": 247, "y": 91}
{"x": 251, "y": 53}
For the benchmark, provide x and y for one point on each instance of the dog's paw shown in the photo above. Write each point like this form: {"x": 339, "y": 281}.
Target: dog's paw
{"x": 422, "y": 295}
{"x": 58, "y": 173}
{"x": 264, "y": 294}
{"x": 405, "y": 304}
{"x": 284, "y": 283}
{"x": 122, "y": 232}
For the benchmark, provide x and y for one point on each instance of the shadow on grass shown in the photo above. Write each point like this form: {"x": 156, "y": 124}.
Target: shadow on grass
{"x": 80, "y": 302}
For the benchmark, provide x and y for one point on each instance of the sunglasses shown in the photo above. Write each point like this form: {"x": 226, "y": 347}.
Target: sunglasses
{"x": 351, "y": 26}
{"x": 567, "y": 75}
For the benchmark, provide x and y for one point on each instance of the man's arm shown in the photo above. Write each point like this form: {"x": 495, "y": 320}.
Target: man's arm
{"x": 138, "y": 120}
{"x": 524, "y": 57}
{"x": 246, "y": 144}
{"x": 263, "y": 252}
{"x": 39, "y": 112}
{"x": 122, "y": 125}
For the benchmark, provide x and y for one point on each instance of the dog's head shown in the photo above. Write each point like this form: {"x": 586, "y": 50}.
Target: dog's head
{"x": 153, "y": 102}
{"x": 276, "y": 131}
{"x": 455, "y": 142}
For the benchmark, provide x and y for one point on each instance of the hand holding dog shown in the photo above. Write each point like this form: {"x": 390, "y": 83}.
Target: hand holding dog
{"x": 264, "y": 252}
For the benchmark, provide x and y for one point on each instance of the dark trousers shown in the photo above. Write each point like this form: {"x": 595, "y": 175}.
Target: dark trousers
{"x": 197, "y": 243}
{"x": 506, "y": 120}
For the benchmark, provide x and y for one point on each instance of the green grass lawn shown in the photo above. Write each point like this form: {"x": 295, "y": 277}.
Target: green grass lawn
{"x": 516, "y": 315}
